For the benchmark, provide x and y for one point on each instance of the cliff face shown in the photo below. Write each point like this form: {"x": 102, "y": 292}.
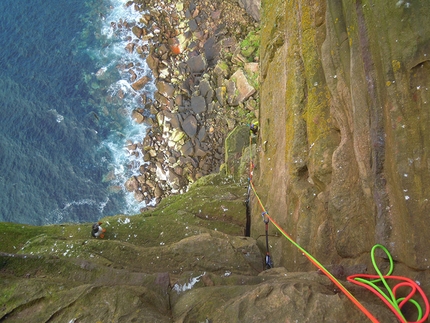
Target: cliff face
{"x": 341, "y": 164}
{"x": 344, "y": 159}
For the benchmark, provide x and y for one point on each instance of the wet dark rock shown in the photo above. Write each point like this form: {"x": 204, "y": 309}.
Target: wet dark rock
{"x": 132, "y": 184}
{"x": 152, "y": 62}
{"x": 130, "y": 47}
{"x": 133, "y": 75}
{"x": 140, "y": 83}
{"x": 137, "y": 116}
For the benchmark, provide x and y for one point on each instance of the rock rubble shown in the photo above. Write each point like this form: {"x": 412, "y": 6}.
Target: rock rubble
{"x": 206, "y": 84}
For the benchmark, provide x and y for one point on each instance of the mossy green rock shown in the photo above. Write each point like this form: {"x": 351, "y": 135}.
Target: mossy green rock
{"x": 235, "y": 144}
{"x": 186, "y": 261}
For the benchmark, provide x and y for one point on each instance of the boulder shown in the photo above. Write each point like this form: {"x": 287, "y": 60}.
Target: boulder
{"x": 187, "y": 149}
{"x": 158, "y": 191}
{"x": 176, "y": 135}
{"x": 139, "y": 196}
{"x": 198, "y": 104}
{"x": 132, "y": 184}
{"x": 244, "y": 88}
{"x": 130, "y": 47}
{"x": 152, "y": 62}
{"x": 235, "y": 143}
{"x": 206, "y": 90}
{"x": 137, "y": 116}
{"x": 140, "y": 83}
{"x": 164, "y": 88}
{"x": 189, "y": 125}
{"x": 251, "y": 68}
{"x": 221, "y": 93}
{"x": 221, "y": 72}
{"x": 193, "y": 25}
{"x": 173, "y": 118}
{"x": 197, "y": 64}
{"x": 137, "y": 31}
{"x": 133, "y": 75}
{"x": 174, "y": 180}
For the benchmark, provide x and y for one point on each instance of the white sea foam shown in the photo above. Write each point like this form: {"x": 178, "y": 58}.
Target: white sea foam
{"x": 61, "y": 214}
{"x": 120, "y": 12}
{"x": 123, "y": 163}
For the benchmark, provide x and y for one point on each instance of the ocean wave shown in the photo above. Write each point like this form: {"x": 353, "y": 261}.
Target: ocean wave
{"x": 70, "y": 210}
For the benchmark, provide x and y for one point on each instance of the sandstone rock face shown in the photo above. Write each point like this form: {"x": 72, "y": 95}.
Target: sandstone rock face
{"x": 345, "y": 98}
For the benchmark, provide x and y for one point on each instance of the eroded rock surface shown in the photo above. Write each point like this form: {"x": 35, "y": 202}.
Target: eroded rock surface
{"x": 345, "y": 99}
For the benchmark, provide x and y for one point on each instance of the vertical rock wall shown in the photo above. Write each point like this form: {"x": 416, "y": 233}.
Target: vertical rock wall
{"x": 345, "y": 117}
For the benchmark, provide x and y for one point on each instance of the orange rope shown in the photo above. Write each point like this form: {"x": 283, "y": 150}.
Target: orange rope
{"x": 394, "y": 303}
{"x": 315, "y": 262}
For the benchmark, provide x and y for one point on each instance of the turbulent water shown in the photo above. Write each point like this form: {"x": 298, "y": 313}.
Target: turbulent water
{"x": 63, "y": 127}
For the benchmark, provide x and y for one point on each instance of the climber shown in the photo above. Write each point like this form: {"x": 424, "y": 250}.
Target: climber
{"x": 98, "y": 231}
{"x": 253, "y": 127}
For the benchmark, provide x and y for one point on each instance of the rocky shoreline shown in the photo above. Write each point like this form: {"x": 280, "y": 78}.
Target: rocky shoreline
{"x": 204, "y": 61}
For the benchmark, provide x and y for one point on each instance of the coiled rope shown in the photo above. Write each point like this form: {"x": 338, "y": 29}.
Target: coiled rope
{"x": 368, "y": 281}
{"x": 394, "y": 302}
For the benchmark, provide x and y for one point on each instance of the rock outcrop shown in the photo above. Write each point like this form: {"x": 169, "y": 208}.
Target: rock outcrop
{"x": 186, "y": 261}
{"x": 344, "y": 137}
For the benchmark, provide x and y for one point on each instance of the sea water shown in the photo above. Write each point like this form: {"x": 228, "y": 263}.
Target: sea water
{"x": 63, "y": 127}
